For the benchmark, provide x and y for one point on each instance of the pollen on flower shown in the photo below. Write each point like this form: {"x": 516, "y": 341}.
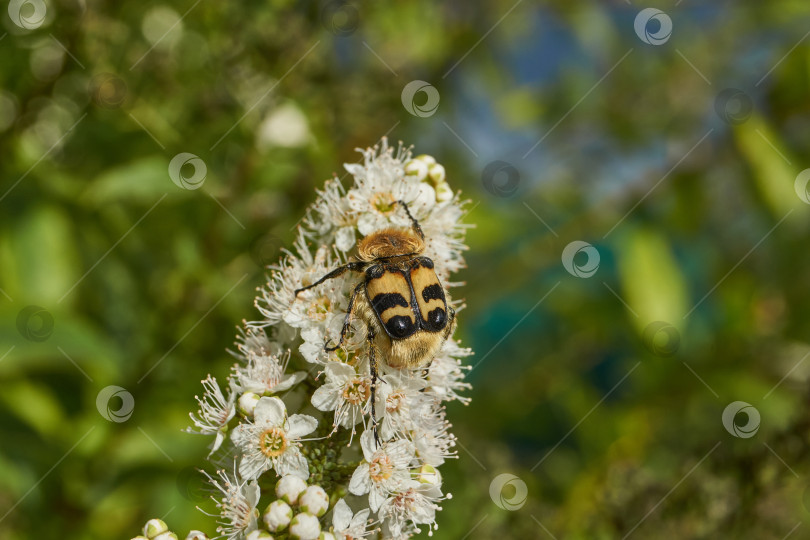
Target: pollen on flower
{"x": 357, "y": 391}
{"x": 383, "y": 203}
{"x": 273, "y": 442}
{"x": 381, "y": 468}
{"x": 395, "y": 401}
{"x": 319, "y": 309}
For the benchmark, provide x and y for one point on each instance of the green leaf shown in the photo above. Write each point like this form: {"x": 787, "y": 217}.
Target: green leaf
{"x": 652, "y": 284}
{"x": 773, "y": 176}
{"x": 143, "y": 180}
{"x": 34, "y": 404}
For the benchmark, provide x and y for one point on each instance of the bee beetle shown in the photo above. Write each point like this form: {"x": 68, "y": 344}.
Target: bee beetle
{"x": 400, "y": 299}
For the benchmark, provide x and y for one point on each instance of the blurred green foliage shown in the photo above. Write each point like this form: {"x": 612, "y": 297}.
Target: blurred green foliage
{"x": 688, "y": 197}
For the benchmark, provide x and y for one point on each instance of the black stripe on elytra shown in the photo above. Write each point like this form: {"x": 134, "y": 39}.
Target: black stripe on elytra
{"x": 437, "y": 319}
{"x": 384, "y": 301}
{"x": 400, "y": 327}
{"x": 433, "y": 292}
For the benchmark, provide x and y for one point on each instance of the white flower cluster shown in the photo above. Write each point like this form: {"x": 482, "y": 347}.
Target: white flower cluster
{"x": 391, "y": 480}
{"x": 156, "y": 529}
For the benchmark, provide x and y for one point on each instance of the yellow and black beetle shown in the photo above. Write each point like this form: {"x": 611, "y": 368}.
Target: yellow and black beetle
{"x": 401, "y": 300}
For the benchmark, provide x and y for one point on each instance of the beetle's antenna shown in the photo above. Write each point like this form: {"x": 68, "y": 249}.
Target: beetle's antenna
{"x": 414, "y": 223}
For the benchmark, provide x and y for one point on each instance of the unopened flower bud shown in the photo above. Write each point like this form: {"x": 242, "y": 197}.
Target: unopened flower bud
{"x": 429, "y": 160}
{"x": 277, "y": 516}
{"x": 259, "y": 535}
{"x": 443, "y": 192}
{"x": 305, "y": 527}
{"x": 154, "y": 527}
{"x": 165, "y": 536}
{"x": 417, "y": 168}
{"x": 426, "y": 196}
{"x": 327, "y": 536}
{"x": 428, "y": 474}
{"x": 314, "y": 501}
{"x": 197, "y": 535}
{"x": 139, "y": 537}
{"x": 436, "y": 173}
{"x": 289, "y": 487}
{"x": 247, "y": 403}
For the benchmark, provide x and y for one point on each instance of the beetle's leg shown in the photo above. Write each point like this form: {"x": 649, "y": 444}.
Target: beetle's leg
{"x": 414, "y": 223}
{"x": 339, "y": 271}
{"x": 372, "y": 362}
{"x": 347, "y": 321}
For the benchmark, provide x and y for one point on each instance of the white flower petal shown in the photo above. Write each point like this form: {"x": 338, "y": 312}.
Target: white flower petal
{"x": 299, "y": 425}
{"x": 292, "y": 462}
{"x": 289, "y": 381}
{"x": 251, "y": 468}
{"x": 325, "y": 398}
{"x": 345, "y": 238}
{"x": 270, "y": 411}
{"x": 341, "y": 515}
{"x": 367, "y": 224}
{"x": 252, "y": 493}
{"x": 360, "y": 482}
{"x": 312, "y": 352}
{"x": 368, "y": 444}
{"x": 340, "y": 372}
{"x": 387, "y": 429}
{"x": 401, "y": 450}
{"x": 355, "y": 169}
{"x": 359, "y": 519}
{"x": 375, "y": 499}
{"x": 240, "y": 434}
{"x": 217, "y": 442}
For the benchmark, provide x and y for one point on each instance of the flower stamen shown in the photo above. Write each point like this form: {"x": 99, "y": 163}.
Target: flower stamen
{"x": 273, "y": 442}
{"x": 384, "y": 203}
{"x": 357, "y": 391}
{"x": 381, "y": 468}
{"x": 319, "y": 309}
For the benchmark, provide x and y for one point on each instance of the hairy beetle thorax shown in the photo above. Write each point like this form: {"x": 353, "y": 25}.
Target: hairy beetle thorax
{"x": 389, "y": 243}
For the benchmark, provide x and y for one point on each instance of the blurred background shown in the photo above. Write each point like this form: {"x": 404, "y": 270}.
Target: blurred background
{"x": 637, "y": 291}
